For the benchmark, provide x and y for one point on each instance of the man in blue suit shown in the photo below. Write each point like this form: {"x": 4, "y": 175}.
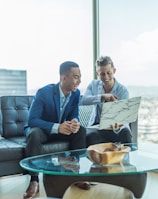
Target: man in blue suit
{"x": 54, "y": 116}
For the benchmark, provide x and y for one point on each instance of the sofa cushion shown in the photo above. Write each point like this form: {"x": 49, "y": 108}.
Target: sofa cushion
{"x": 85, "y": 112}
{"x": 15, "y": 111}
{"x": 19, "y": 140}
{"x": 10, "y": 151}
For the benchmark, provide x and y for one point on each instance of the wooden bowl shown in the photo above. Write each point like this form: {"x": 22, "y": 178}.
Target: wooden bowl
{"x": 107, "y": 153}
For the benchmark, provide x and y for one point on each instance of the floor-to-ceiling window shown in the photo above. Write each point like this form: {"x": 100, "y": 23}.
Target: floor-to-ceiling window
{"x": 38, "y": 35}
{"x": 129, "y": 34}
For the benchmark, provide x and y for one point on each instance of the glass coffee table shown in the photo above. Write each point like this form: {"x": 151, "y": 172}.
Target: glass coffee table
{"x": 62, "y": 169}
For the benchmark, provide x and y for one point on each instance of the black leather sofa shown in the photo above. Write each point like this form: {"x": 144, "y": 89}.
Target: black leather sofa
{"x": 13, "y": 117}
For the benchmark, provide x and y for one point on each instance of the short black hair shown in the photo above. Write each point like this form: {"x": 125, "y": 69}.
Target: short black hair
{"x": 104, "y": 60}
{"x": 65, "y": 67}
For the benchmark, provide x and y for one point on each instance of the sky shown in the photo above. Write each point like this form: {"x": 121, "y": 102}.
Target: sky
{"x": 38, "y": 35}
{"x": 130, "y": 36}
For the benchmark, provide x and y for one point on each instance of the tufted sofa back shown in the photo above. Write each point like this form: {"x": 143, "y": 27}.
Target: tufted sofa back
{"x": 14, "y": 114}
{"x": 14, "y": 110}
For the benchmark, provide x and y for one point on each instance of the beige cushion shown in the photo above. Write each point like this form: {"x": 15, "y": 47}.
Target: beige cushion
{"x": 98, "y": 191}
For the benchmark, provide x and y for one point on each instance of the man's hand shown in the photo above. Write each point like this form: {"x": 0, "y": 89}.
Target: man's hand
{"x": 69, "y": 127}
{"x": 75, "y": 125}
{"x": 108, "y": 97}
{"x": 116, "y": 126}
{"x": 64, "y": 128}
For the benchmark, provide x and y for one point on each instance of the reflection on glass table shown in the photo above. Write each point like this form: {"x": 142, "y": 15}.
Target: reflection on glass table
{"x": 71, "y": 166}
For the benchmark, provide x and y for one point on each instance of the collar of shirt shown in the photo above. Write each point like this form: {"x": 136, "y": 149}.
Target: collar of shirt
{"x": 113, "y": 90}
{"x": 63, "y": 100}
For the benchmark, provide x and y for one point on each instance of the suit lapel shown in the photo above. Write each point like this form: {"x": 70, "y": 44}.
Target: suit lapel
{"x": 57, "y": 99}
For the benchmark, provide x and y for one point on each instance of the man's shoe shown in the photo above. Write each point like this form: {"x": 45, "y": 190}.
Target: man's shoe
{"x": 32, "y": 190}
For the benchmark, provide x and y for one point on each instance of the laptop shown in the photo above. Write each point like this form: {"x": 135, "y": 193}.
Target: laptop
{"x": 120, "y": 111}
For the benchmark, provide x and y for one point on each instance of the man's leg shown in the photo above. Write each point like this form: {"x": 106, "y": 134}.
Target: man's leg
{"x": 94, "y": 137}
{"x": 35, "y": 137}
{"x": 100, "y": 136}
{"x": 125, "y": 136}
{"x": 78, "y": 140}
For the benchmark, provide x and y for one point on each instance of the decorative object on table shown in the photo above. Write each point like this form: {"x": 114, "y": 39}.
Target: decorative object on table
{"x": 70, "y": 163}
{"x": 107, "y": 153}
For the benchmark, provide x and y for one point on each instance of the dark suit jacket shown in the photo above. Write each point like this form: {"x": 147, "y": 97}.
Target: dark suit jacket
{"x": 45, "y": 109}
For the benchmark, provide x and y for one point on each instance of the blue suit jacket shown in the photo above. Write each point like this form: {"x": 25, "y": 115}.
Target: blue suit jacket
{"x": 45, "y": 109}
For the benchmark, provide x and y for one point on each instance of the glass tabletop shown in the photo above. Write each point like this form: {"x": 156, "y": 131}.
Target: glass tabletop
{"x": 78, "y": 163}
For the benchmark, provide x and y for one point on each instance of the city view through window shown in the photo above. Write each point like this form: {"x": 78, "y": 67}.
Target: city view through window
{"x": 37, "y": 36}
{"x": 129, "y": 34}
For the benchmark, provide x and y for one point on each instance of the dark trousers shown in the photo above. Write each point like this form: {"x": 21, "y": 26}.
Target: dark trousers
{"x": 104, "y": 136}
{"x": 36, "y": 137}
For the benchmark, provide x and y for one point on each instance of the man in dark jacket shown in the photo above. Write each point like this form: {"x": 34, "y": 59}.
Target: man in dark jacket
{"x": 54, "y": 116}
